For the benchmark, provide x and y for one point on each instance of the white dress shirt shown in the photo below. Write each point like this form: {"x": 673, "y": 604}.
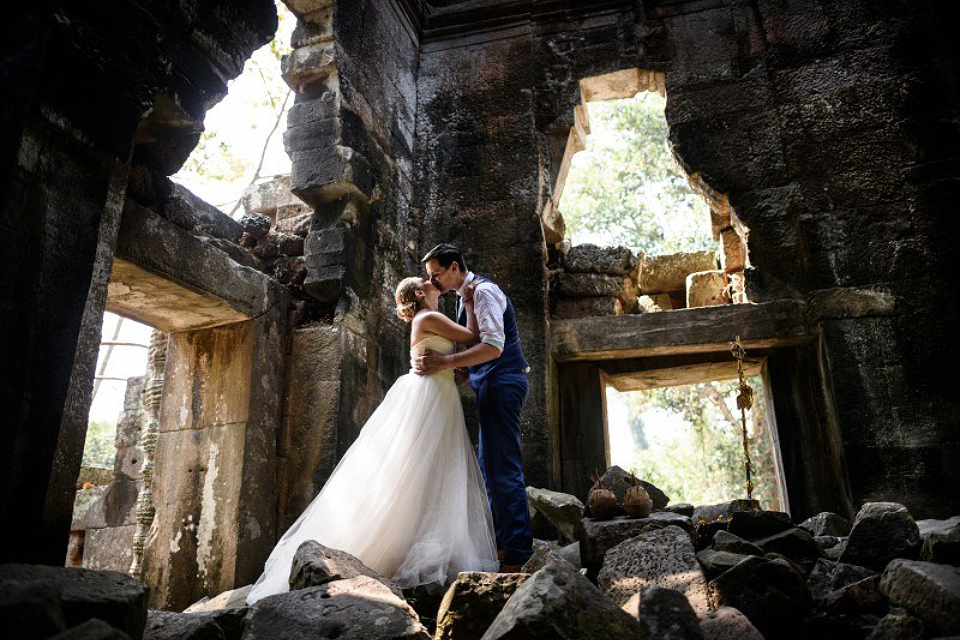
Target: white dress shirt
{"x": 489, "y": 305}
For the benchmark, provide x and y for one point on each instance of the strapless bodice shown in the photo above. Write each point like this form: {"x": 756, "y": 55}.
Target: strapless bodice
{"x": 433, "y": 343}
{"x": 436, "y": 344}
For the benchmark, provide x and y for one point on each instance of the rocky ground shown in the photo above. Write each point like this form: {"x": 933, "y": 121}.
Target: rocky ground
{"x": 712, "y": 572}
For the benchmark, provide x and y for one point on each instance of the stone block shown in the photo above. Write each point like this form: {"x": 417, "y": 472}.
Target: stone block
{"x": 269, "y": 196}
{"x": 359, "y": 607}
{"x": 927, "y": 590}
{"x": 327, "y": 253}
{"x": 601, "y": 535}
{"x": 716, "y": 562}
{"x": 589, "y": 285}
{"x": 315, "y": 565}
{"x": 661, "y": 557}
{"x": 169, "y": 625}
{"x": 707, "y": 289}
{"x": 666, "y": 613}
{"x": 109, "y": 549}
{"x": 209, "y": 219}
{"x": 771, "y": 593}
{"x": 563, "y": 510}
{"x": 573, "y": 308}
{"x": 827, "y": 524}
{"x": 666, "y": 273}
{"x": 559, "y": 602}
{"x": 589, "y": 258}
{"x": 941, "y": 540}
{"x": 30, "y": 610}
{"x": 733, "y": 256}
{"x": 881, "y": 532}
{"x": 232, "y": 599}
{"x": 308, "y": 66}
{"x": 93, "y": 629}
{"x": 324, "y": 175}
{"x": 472, "y": 603}
{"x": 113, "y": 597}
{"x": 727, "y": 623}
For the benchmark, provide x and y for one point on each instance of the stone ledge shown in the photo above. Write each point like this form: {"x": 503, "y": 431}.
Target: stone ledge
{"x": 772, "y": 324}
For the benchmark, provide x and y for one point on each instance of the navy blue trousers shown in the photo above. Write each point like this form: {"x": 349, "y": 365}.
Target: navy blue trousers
{"x": 499, "y": 400}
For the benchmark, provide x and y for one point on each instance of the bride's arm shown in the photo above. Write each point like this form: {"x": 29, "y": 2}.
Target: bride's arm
{"x": 436, "y": 322}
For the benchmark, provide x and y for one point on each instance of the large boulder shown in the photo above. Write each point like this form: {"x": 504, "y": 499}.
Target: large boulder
{"x": 167, "y": 625}
{"x": 771, "y": 593}
{"x": 543, "y": 555}
{"x": 669, "y": 272}
{"x": 941, "y": 540}
{"x": 359, "y": 608}
{"x": 929, "y": 591}
{"x": 857, "y": 598}
{"x": 895, "y": 626}
{"x": 31, "y": 610}
{"x": 616, "y": 479}
{"x": 92, "y": 629}
{"x": 563, "y": 510}
{"x": 728, "y": 623}
{"x": 794, "y": 543}
{"x": 826, "y": 523}
{"x": 827, "y": 576}
{"x": 661, "y": 557}
{"x": 881, "y": 532}
{"x": 472, "y": 603}
{"x": 113, "y": 597}
{"x": 666, "y": 613}
{"x": 558, "y": 602}
{"x": 601, "y": 535}
{"x": 315, "y": 564}
{"x": 726, "y": 541}
{"x": 758, "y": 524}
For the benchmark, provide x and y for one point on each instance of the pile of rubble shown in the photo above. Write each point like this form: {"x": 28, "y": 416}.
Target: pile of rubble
{"x": 682, "y": 572}
{"x": 595, "y": 281}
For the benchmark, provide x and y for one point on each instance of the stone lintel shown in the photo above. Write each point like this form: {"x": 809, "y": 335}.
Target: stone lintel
{"x": 172, "y": 280}
{"x": 705, "y": 329}
{"x": 681, "y": 375}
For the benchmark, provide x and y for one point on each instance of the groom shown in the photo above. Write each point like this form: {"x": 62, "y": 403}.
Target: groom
{"x": 498, "y": 375}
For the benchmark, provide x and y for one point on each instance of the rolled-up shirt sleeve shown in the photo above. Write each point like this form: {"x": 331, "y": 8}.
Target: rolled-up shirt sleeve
{"x": 489, "y": 305}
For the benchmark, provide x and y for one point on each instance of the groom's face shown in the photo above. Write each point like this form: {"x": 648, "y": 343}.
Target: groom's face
{"x": 443, "y": 278}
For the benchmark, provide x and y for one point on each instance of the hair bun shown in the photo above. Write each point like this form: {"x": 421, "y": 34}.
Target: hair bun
{"x": 407, "y": 311}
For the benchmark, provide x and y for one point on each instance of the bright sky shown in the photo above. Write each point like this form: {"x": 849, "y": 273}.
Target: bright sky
{"x": 660, "y": 426}
{"x": 241, "y": 122}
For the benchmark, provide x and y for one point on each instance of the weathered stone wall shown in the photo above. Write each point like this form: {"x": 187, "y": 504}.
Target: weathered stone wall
{"x": 85, "y": 75}
{"x": 824, "y": 123}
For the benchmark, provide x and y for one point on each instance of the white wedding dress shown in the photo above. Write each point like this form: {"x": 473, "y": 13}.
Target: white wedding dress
{"x": 407, "y": 498}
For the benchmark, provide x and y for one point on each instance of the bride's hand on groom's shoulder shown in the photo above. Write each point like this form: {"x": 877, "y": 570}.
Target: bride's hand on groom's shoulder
{"x": 468, "y": 293}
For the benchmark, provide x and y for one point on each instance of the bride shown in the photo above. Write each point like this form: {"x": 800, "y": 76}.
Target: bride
{"x": 407, "y": 498}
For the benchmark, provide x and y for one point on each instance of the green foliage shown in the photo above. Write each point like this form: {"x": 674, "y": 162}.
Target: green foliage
{"x": 626, "y": 188}
{"x": 701, "y": 461}
{"x": 99, "y": 449}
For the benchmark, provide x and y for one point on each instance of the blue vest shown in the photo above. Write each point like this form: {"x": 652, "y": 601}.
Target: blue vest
{"x": 511, "y": 359}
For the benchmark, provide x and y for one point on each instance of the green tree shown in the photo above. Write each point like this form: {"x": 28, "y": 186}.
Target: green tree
{"x": 99, "y": 448}
{"x": 626, "y": 187}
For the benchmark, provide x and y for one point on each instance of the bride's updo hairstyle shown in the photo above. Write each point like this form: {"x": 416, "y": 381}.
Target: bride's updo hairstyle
{"x": 406, "y": 297}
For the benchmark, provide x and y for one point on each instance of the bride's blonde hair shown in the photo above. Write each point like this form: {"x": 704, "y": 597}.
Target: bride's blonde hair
{"x": 406, "y": 297}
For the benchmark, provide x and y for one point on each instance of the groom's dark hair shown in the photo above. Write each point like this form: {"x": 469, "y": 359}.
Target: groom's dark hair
{"x": 445, "y": 254}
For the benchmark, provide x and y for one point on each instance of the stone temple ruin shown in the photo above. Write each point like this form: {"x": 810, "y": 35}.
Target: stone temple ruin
{"x": 823, "y": 135}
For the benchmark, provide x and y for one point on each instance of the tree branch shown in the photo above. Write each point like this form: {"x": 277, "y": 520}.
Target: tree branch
{"x": 263, "y": 152}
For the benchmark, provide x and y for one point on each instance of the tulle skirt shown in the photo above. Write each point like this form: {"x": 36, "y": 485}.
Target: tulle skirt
{"x": 407, "y": 498}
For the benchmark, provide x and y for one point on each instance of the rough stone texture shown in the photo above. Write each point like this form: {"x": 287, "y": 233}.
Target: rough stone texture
{"x": 664, "y": 558}
{"x": 897, "y": 627}
{"x": 30, "y": 610}
{"x": 794, "y": 543}
{"x": 726, "y": 541}
{"x": 315, "y": 565}
{"x": 881, "y": 532}
{"x": 168, "y": 625}
{"x": 707, "y": 289}
{"x": 232, "y": 599}
{"x": 572, "y": 308}
{"x": 715, "y": 562}
{"x": 563, "y": 510}
{"x": 268, "y": 196}
{"x": 589, "y": 285}
{"x": 756, "y": 524}
{"x": 681, "y": 508}
{"x": 589, "y": 258}
{"x": 826, "y": 524}
{"x": 856, "y": 598}
{"x": 472, "y": 603}
{"x": 771, "y": 593}
{"x": 94, "y": 629}
{"x": 112, "y": 597}
{"x": 727, "y": 623}
{"x": 929, "y": 591}
{"x": 360, "y": 608}
{"x": 941, "y": 540}
{"x": 667, "y": 614}
{"x": 827, "y": 576}
{"x": 667, "y": 273}
{"x": 559, "y": 602}
{"x": 601, "y": 535}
